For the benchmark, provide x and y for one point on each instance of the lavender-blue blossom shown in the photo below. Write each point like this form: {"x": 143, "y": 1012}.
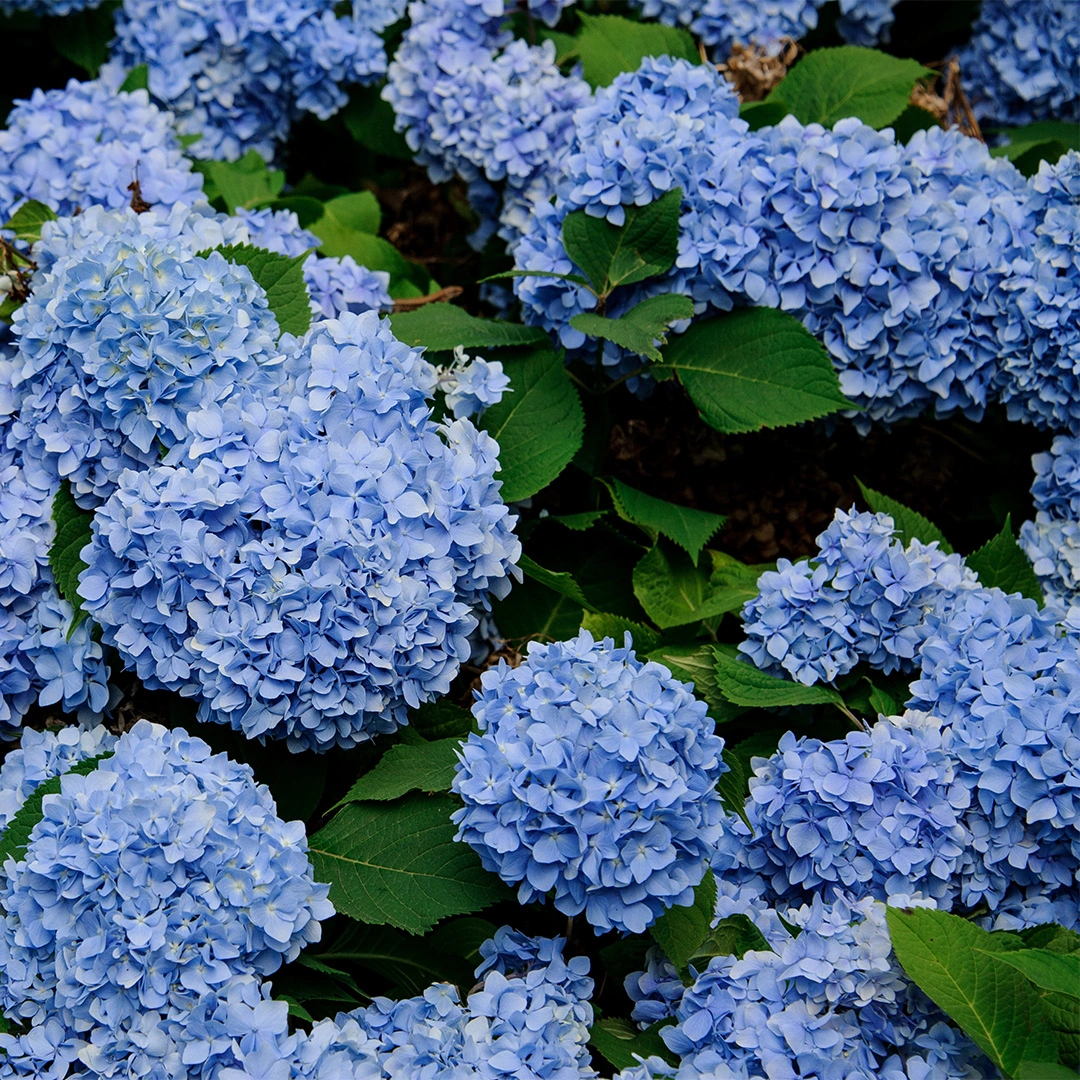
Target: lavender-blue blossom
{"x": 594, "y": 778}
{"x": 472, "y": 384}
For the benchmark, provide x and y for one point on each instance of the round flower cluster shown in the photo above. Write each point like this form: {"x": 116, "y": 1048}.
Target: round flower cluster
{"x": 334, "y": 285}
{"x": 148, "y": 883}
{"x": 894, "y": 256}
{"x": 595, "y": 778}
{"x": 1038, "y": 335}
{"x": 475, "y": 102}
{"x": 239, "y": 75}
{"x": 85, "y": 145}
{"x": 1022, "y": 63}
{"x": 865, "y": 597}
{"x": 1052, "y": 540}
{"x": 308, "y": 563}
{"x": 119, "y": 342}
{"x": 825, "y": 998}
{"x": 471, "y": 385}
{"x": 724, "y": 23}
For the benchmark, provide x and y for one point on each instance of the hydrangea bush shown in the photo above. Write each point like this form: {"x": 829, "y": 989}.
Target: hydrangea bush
{"x": 415, "y": 656}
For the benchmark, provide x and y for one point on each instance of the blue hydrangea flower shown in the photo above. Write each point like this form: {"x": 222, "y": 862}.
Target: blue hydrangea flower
{"x": 85, "y": 144}
{"x": 309, "y": 565}
{"x": 119, "y": 342}
{"x": 474, "y": 102}
{"x": 198, "y": 881}
{"x": 594, "y": 779}
{"x": 1022, "y": 63}
{"x": 724, "y": 23}
{"x": 864, "y": 597}
{"x": 238, "y": 75}
{"x": 472, "y": 384}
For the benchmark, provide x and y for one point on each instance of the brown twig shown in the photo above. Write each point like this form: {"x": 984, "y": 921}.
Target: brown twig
{"x": 411, "y": 303}
{"x": 138, "y": 203}
{"x": 753, "y": 72}
{"x": 945, "y": 99}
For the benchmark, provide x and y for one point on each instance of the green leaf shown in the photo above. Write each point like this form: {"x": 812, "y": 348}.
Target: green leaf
{"x": 760, "y": 114}
{"x": 1050, "y": 970}
{"x": 644, "y": 246}
{"x": 370, "y": 121}
{"x": 913, "y": 119}
{"x": 576, "y": 278}
{"x": 642, "y": 327}
{"x": 427, "y": 766}
{"x": 681, "y": 931}
{"x": 282, "y": 279}
{"x": 608, "y": 45}
{"x": 910, "y": 525}
{"x": 65, "y": 560}
{"x": 246, "y": 183}
{"x": 733, "y": 580}
{"x": 755, "y": 368}
{"x": 602, "y": 625}
{"x": 621, "y": 1043}
{"x": 1051, "y": 936}
{"x": 947, "y": 957}
{"x": 1043, "y": 1070}
{"x": 398, "y": 864}
{"x": 138, "y": 78}
{"x": 743, "y": 684}
{"x": 674, "y": 591}
{"x": 883, "y": 702}
{"x": 313, "y": 963}
{"x": 578, "y": 522}
{"x": 690, "y": 529}
{"x": 82, "y": 37}
{"x": 16, "y": 837}
{"x": 557, "y": 581}
{"x": 1001, "y": 563}
{"x": 306, "y": 209}
{"x": 533, "y": 611}
{"x": 538, "y": 426}
{"x": 734, "y": 936}
{"x": 828, "y": 84}
{"x": 26, "y": 222}
{"x": 696, "y": 664}
{"x": 296, "y": 1010}
{"x": 734, "y": 785}
{"x": 1047, "y": 140}
{"x": 440, "y": 719}
{"x": 441, "y": 327}
{"x": 356, "y": 212}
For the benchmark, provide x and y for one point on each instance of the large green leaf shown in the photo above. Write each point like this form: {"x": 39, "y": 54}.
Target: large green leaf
{"x": 246, "y": 183}
{"x": 733, "y": 785}
{"x": 356, "y": 212}
{"x": 608, "y": 45}
{"x": 622, "y": 1044}
{"x": 681, "y": 931}
{"x": 533, "y": 610}
{"x": 734, "y": 580}
{"x": 72, "y": 535}
{"x": 948, "y": 958}
{"x": 558, "y": 581}
{"x": 602, "y": 625}
{"x": 644, "y": 246}
{"x": 744, "y": 684}
{"x": 398, "y": 864}
{"x": 538, "y": 425}
{"x": 16, "y": 837}
{"x": 640, "y": 328}
{"x": 755, "y": 368}
{"x": 1047, "y": 140}
{"x": 370, "y": 121}
{"x": 440, "y": 719}
{"x": 1050, "y": 970}
{"x": 426, "y": 766}
{"x": 1001, "y": 563}
{"x": 441, "y": 327}
{"x": 828, "y": 84}
{"x": 26, "y": 222}
{"x": 910, "y": 524}
{"x": 282, "y": 279}
{"x": 690, "y": 529}
{"x": 674, "y": 591}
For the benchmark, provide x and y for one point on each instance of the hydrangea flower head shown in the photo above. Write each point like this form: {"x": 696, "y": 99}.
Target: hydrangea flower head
{"x": 83, "y": 145}
{"x": 237, "y": 76}
{"x": 198, "y": 881}
{"x": 472, "y": 384}
{"x": 594, "y": 778}
{"x": 309, "y": 565}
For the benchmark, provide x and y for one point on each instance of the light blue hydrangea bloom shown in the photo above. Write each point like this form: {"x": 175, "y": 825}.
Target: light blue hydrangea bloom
{"x": 595, "y": 779}
{"x": 238, "y": 75}
{"x": 472, "y": 384}
{"x": 826, "y": 998}
{"x": 1052, "y": 540}
{"x": 308, "y": 564}
{"x": 475, "y": 102}
{"x": 1022, "y": 63}
{"x": 199, "y": 882}
{"x": 335, "y": 285}
{"x": 85, "y": 144}
{"x": 864, "y": 597}
{"x": 119, "y": 342}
